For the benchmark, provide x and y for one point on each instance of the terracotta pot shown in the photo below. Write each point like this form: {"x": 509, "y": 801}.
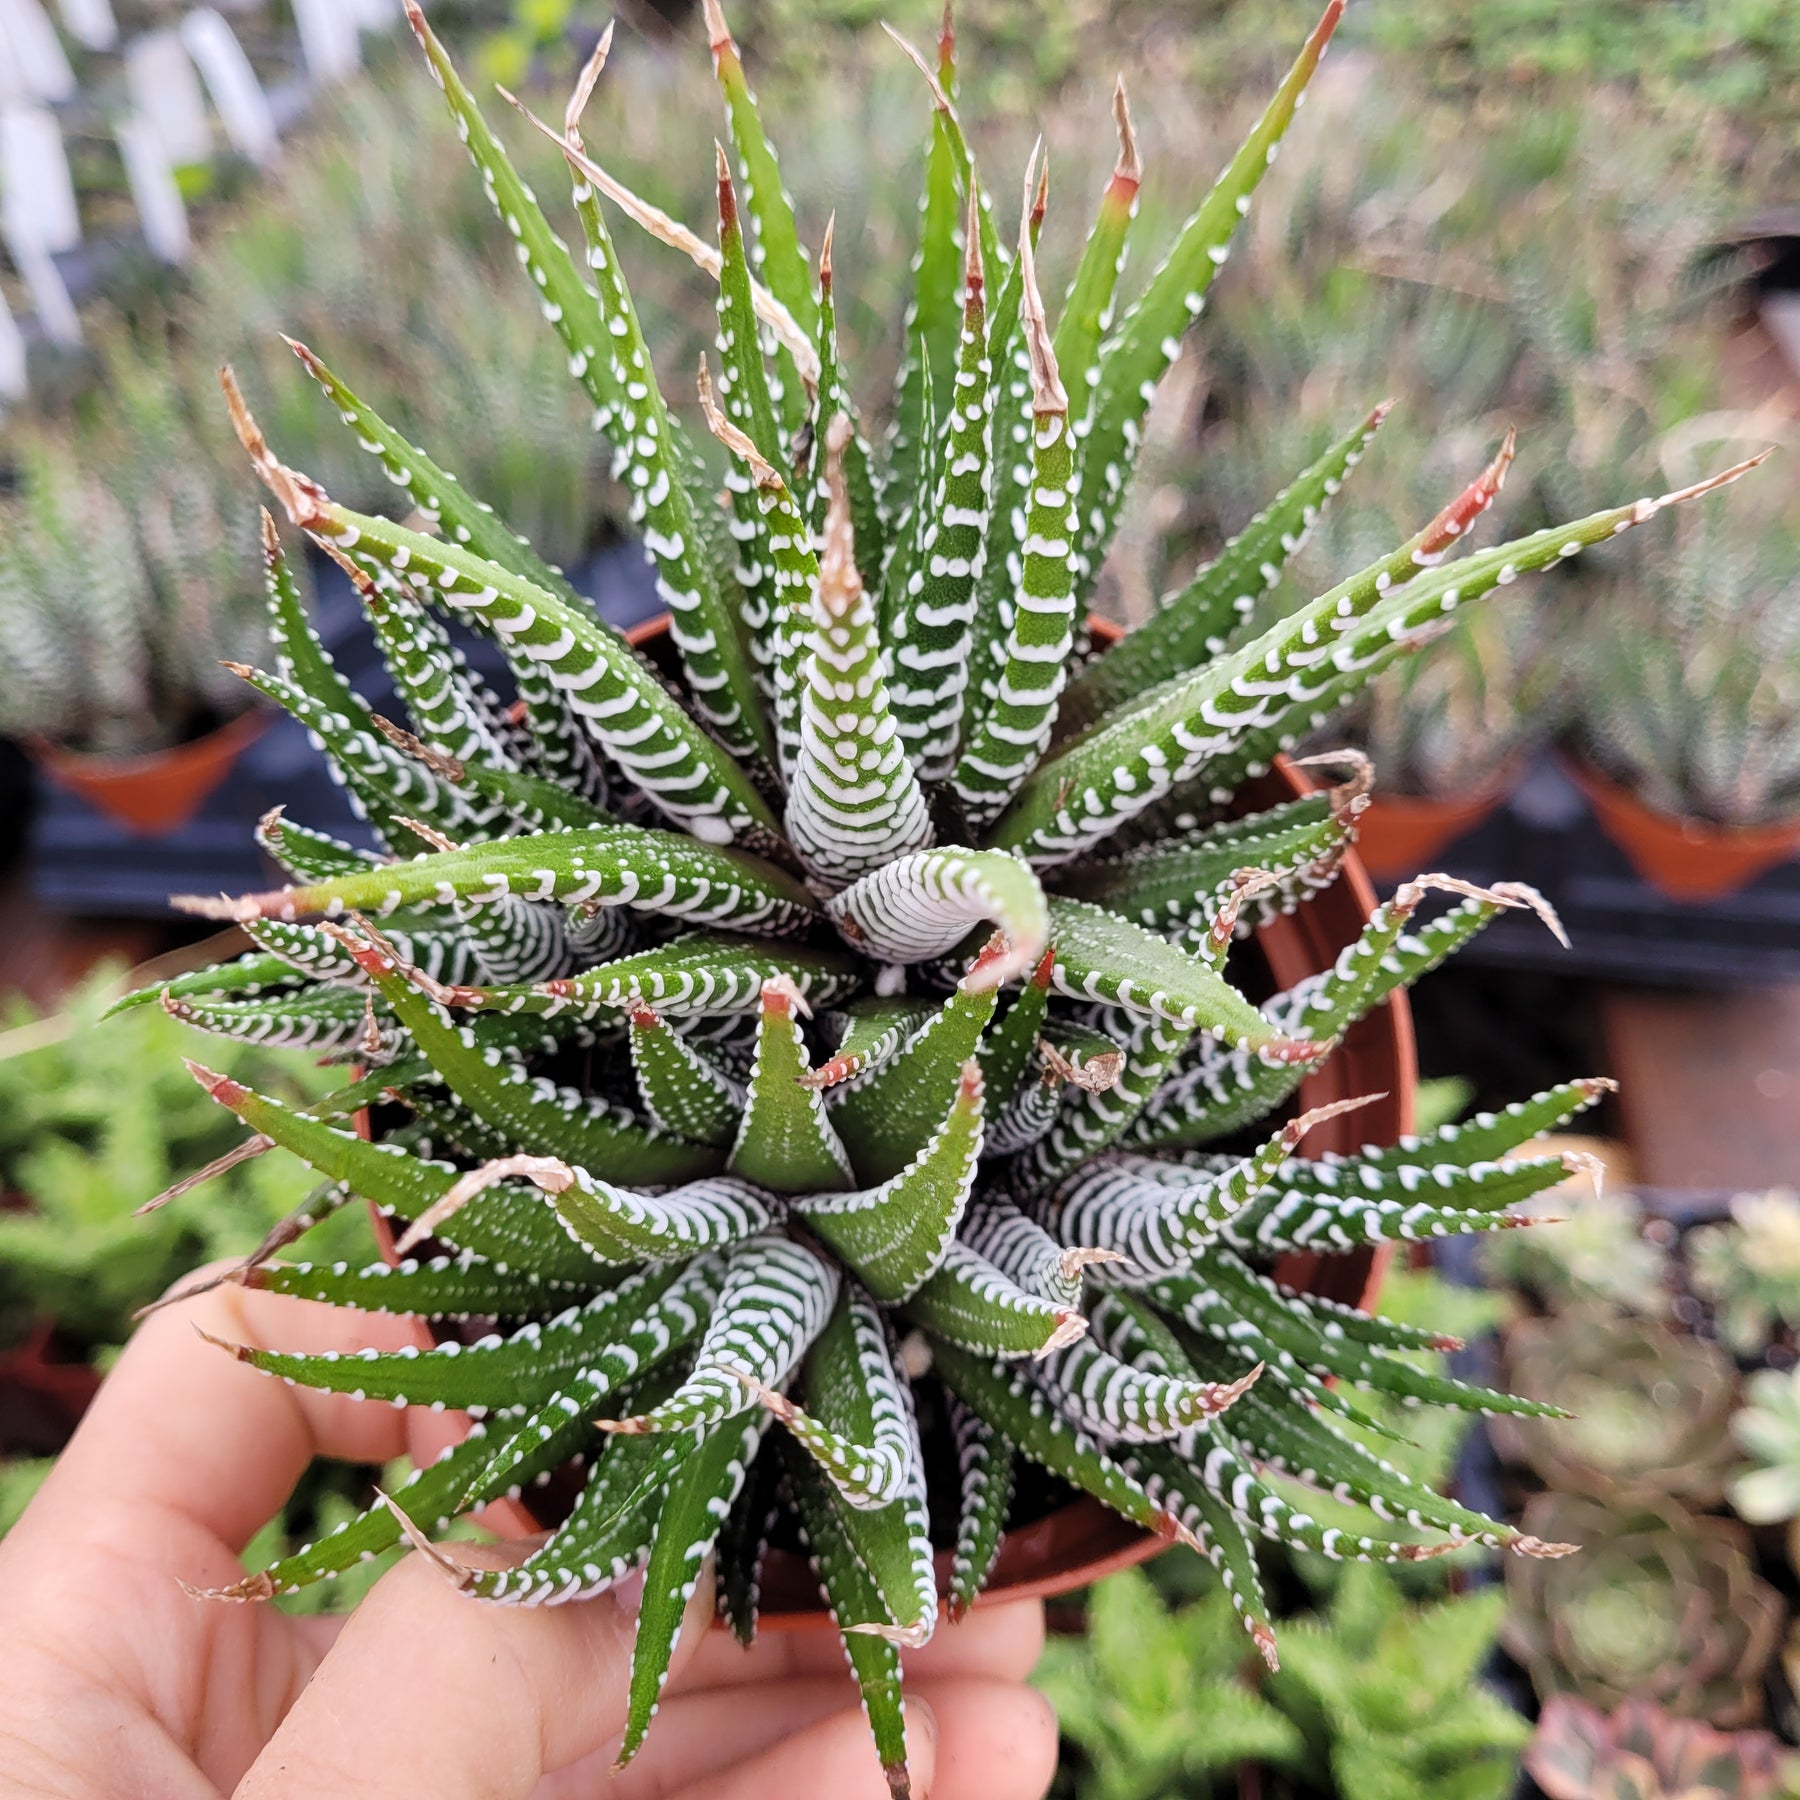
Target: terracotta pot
{"x": 1083, "y": 1541}
{"x": 1687, "y": 859}
{"x": 1399, "y": 835}
{"x": 159, "y": 792}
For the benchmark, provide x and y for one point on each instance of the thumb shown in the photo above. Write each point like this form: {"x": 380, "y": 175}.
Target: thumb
{"x": 428, "y": 1691}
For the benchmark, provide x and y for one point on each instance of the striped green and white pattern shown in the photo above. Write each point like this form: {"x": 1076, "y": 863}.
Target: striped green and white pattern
{"x": 816, "y": 1056}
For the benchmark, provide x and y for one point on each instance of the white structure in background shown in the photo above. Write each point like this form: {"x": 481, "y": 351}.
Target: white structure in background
{"x": 330, "y": 38}
{"x": 161, "y": 210}
{"x": 237, "y": 95}
{"x": 163, "y": 88}
{"x": 32, "y": 63}
{"x": 90, "y": 23}
{"x": 167, "y": 124}
{"x": 38, "y": 217}
{"x": 12, "y": 355}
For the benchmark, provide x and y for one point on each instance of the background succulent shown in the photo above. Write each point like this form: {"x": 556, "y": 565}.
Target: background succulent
{"x": 1598, "y": 1255}
{"x": 1640, "y": 1753}
{"x": 1651, "y": 1407}
{"x": 121, "y": 591}
{"x": 1660, "y": 1605}
{"x": 1689, "y": 693}
{"x": 839, "y": 1030}
{"x": 1378, "y": 1698}
{"x": 89, "y": 1119}
{"x": 1767, "y": 1427}
{"x": 1748, "y": 1268}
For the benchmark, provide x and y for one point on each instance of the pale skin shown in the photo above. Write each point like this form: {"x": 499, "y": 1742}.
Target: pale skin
{"x": 120, "y": 1683}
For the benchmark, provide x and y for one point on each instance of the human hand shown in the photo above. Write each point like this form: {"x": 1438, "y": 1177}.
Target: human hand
{"x": 120, "y": 1682}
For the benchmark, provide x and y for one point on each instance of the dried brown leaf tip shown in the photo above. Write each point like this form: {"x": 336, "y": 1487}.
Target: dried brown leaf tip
{"x": 585, "y": 83}
{"x": 1048, "y": 397}
{"x": 1128, "y": 172}
{"x": 301, "y": 497}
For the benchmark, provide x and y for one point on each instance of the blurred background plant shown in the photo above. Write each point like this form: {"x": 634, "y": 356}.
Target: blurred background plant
{"x": 1687, "y": 668}
{"x": 1659, "y": 1605}
{"x": 1640, "y": 1753}
{"x": 1748, "y": 1269}
{"x": 94, "y": 1116}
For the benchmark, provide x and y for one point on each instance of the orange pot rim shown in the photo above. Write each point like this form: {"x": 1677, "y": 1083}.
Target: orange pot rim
{"x": 1690, "y": 860}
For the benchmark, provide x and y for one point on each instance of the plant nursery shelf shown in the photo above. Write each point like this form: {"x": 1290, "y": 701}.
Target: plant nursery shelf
{"x": 1619, "y": 926}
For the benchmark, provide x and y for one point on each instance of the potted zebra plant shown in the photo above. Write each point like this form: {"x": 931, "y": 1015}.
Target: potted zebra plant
{"x": 830, "y": 1053}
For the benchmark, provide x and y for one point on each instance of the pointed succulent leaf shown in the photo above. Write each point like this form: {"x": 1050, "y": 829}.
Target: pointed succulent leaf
{"x": 1159, "y": 1216}
{"x": 1198, "y": 620}
{"x": 984, "y": 1465}
{"x": 617, "y": 1226}
{"x": 534, "y": 1114}
{"x": 930, "y": 328}
{"x": 389, "y": 789}
{"x": 870, "y": 1033}
{"x": 687, "y": 1095}
{"x": 633, "y": 717}
{"x": 917, "y": 907}
{"x": 1088, "y": 307}
{"x": 785, "y": 1139}
{"x": 1100, "y": 956}
{"x": 856, "y": 1424}
{"x": 1488, "y": 1135}
{"x": 971, "y": 1303}
{"x": 463, "y": 1286}
{"x": 701, "y": 1494}
{"x": 854, "y": 803}
{"x": 301, "y": 658}
{"x": 743, "y": 1545}
{"x": 927, "y": 627}
{"x": 887, "y": 1116}
{"x": 1009, "y": 1049}
{"x": 896, "y": 1235}
{"x": 1324, "y": 1206}
{"x": 309, "y": 855}
{"x": 855, "y": 1604}
{"x": 1007, "y": 1399}
{"x": 780, "y": 257}
{"x": 607, "y": 1534}
{"x": 1178, "y": 884}
{"x": 1014, "y": 727}
{"x": 774, "y": 1300}
{"x": 605, "y": 865}
{"x": 868, "y": 521}
{"x": 334, "y": 1021}
{"x": 431, "y": 1496}
{"x": 1009, "y": 472}
{"x": 245, "y": 977}
{"x": 702, "y": 974}
{"x": 506, "y": 1226}
{"x": 1026, "y": 1254}
{"x": 1115, "y": 1402}
{"x": 1148, "y": 339}
{"x": 611, "y": 1338}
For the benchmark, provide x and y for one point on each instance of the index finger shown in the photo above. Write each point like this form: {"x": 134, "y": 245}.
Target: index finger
{"x": 183, "y": 1428}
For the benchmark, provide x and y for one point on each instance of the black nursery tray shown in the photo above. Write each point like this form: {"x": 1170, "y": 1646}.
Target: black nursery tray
{"x": 1619, "y": 925}
{"x": 81, "y": 862}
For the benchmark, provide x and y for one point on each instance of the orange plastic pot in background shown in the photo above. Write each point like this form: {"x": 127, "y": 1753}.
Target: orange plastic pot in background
{"x": 1687, "y": 859}
{"x": 157, "y": 792}
{"x": 1399, "y": 835}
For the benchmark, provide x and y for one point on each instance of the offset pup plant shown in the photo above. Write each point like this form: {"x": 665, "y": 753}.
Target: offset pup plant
{"x": 904, "y": 915}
